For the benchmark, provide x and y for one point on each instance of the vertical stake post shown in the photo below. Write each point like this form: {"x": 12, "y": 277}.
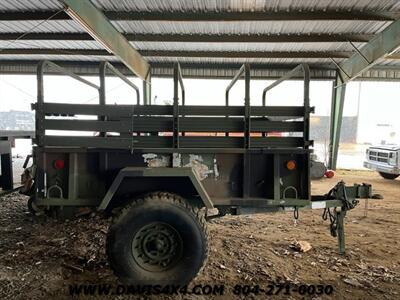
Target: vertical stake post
{"x": 176, "y": 107}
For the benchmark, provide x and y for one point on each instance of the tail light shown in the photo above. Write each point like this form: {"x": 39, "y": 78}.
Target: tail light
{"x": 59, "y": 164}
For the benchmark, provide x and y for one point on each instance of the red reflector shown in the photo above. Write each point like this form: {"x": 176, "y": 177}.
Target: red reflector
{"x": 291, "y": 165}
{"x": 59, "y": 164}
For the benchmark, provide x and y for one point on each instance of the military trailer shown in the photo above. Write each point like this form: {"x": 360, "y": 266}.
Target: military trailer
{"x": 163, "y": 171}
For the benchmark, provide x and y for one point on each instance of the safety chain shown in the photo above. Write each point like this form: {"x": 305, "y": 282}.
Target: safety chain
{"x": 334, "y": 192}
{"x": 347, "y": 205}
{"x": 333, "y": 220}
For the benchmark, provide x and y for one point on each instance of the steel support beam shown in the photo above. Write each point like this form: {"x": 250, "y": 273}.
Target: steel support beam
{"x": 213, "y": 16}
{"x": 183, "y": 53}
{"x": 338, "y": 95}
{"x": 203, "y": 38}
{"x": 101, "y": 29}
{"x": 383, "y": 44}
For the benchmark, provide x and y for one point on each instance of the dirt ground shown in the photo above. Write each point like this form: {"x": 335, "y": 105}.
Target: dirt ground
{"x": 41, "y": 257}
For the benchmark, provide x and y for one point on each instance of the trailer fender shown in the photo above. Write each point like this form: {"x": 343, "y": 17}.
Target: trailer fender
{"x": 140, "y": 172}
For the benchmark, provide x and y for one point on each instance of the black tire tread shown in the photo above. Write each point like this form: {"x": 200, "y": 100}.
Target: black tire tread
{"x": 389, "y": 176}
{"x": 175, "y": 199}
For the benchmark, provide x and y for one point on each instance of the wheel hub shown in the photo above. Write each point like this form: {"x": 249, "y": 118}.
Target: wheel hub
{"x": 157, "y": 247}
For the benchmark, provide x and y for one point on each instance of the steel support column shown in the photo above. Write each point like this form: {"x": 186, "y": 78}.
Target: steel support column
{"x": 338, "y": 94}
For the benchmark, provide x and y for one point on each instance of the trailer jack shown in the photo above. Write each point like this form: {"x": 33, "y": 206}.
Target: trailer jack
{"x": 349, "y": 196}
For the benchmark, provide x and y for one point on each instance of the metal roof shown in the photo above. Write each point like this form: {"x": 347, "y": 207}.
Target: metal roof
{"x": 210, "y": 5}
{"x": 240, "y": 5}
{"x": 203, "y": 34}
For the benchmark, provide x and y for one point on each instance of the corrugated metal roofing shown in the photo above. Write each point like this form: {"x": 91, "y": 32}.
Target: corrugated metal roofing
{"x": 61, "y": 56}
{"x": 54, "y": 44}
{"x": 243, "y": 5}
{"x": 214, "y": 28}
{"x": 248, "y": 27}
{"x": 266, "y": 60}
{"x": 341, "y": 46}
{"x": 29, "y": 5}
{"x": 184, "y": 46}
{"x": 51, "y": 26}
{"x": 231, "y": 27}
{"x": 210, "y": 5}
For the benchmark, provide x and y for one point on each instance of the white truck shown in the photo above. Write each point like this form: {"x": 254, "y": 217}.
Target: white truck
{"x": 384, "y": 159}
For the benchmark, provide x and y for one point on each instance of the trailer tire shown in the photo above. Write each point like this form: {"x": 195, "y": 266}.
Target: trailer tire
{"x": 33, "y": 208}
{"x": 389, "y": 176}
{"x": 158, "y": 239}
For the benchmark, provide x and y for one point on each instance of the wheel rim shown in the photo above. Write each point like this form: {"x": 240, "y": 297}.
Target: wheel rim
{"x": 157, "y": 247}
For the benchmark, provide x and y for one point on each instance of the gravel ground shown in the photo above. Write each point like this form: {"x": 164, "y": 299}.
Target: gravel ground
{"x": 40, "y": 257}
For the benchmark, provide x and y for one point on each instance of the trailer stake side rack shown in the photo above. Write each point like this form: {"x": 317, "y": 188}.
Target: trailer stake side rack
{"x": 238, "y": 159}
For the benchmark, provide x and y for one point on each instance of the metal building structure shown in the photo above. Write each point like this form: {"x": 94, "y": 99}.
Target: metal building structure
{"x": 340, "y": 40}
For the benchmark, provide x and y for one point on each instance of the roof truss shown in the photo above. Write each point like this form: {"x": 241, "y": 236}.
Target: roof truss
{"x": 380, "y": 47}
{"x": 100, "y": 28}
